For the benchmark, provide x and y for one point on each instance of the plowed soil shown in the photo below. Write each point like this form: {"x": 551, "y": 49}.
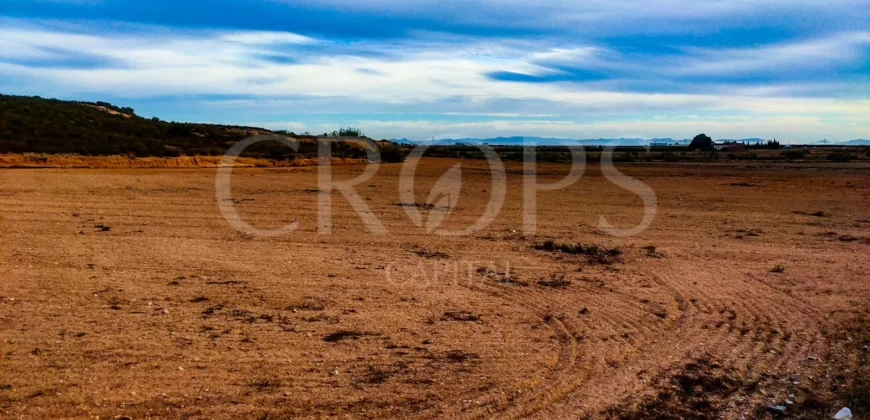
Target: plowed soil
{"x": 125, "y": 293}
{"x": 35, "y": 160}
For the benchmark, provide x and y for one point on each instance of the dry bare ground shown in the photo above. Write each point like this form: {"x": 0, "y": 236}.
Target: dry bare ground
{"x": 124, "y": 293}
{"x": 38, "y": 160}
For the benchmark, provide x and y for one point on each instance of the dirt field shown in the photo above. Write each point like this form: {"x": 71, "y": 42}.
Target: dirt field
{"x": 35, "y": 161}
{"x": 125, "y": 293}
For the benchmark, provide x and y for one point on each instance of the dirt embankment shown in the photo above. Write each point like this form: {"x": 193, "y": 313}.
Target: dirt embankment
{"x": 34, "y": 160}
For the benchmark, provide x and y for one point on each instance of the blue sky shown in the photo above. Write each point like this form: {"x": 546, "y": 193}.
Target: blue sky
{"x": 795, "y": 70}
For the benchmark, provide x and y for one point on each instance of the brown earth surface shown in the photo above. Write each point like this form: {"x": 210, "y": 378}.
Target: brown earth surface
{"x": 39, "y": 160}
{"x": 125, "y": 293}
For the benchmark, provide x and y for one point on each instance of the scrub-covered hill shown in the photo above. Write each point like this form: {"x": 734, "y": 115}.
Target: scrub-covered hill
{"x": 38, "y": 125}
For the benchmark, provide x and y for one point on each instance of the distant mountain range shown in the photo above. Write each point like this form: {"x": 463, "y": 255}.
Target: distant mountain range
{"x": 856, "y": 142}
{"x": 543, "y": 141}
{"x": 622, "y": 141}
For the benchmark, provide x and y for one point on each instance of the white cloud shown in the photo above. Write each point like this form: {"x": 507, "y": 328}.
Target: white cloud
{"x": 447, "y": 78}
{"x": 809, "y": 54}
{"x": 587, "y": 16}
{"x": 265, "y": 38}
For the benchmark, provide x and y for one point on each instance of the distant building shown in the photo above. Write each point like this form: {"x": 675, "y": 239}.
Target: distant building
{"x": 729, "y": 145}
{"x": 659, "y": 144}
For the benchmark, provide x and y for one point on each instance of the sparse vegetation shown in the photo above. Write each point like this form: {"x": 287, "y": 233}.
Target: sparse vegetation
{"x": 347, "y": 132}
{"x": 698, "y": 390}
{"x": 459, "y": 356}
{"x": 850, "y": 238}
{"x": 461, "y": 315}
{"x": 594, "y": 253}
{"x": 424, "y": 206}
{"x": 344, "y": 335}
{"x": 818, "y": 213}
{"x": 777, "y": 269}
{"x": 308, "y": 304}
{"x": 512, "y": 279}
{"x": 603, "y": 256}
{"x": 555, "y": 281}
{"x": 376, "y": 375}
{"x": 502, "y": 277}
{"x": 265, "y": 384}
{"x": 794, "y": 154}
{"x": 841, "y": 157}
{"x": 651, "y": 251}
{"x": 566, "y": 248}
{"x": 391, "y": 153}
{"x": 425, "y": 253}
{"x": 767, "y": 152}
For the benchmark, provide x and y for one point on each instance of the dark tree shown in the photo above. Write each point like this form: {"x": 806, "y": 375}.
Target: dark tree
{"x": 350, "y": 132}
{"x": 391, "y": 154}
{"x": 702, "y": 142}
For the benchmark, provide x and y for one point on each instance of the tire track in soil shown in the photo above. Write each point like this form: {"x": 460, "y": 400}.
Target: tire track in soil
{"x": 690, "y": 333}
{"x": 568, "y": 354}
{"x": 731, "y": 346}
{"x": 572, "y": 368}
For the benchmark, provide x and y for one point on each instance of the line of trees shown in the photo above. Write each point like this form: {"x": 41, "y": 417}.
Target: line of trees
{"x": 705, "y": 142}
